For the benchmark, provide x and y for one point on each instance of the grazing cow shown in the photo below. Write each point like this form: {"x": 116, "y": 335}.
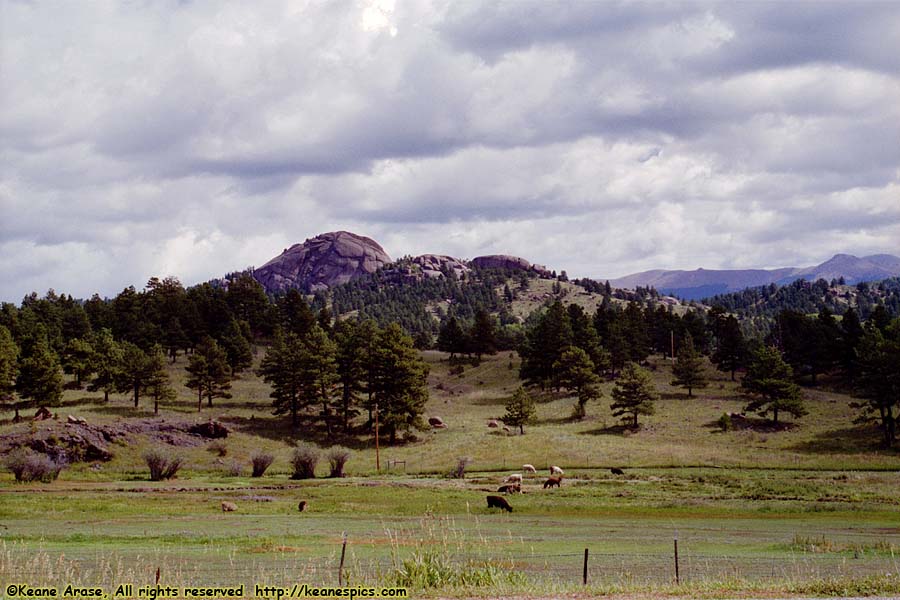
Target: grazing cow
{"x": 229, "y": 506}
{"x": 498, "y": 502}
{"x": 514, "y": 478}
{"x": 510, "y": 488}
{"x": 529, "y": 469}
{"x": 554, "y": 470}
{"x": 552, "y": 481}
{"x": 617, "y": 471}
{"x": 302, "y": 506}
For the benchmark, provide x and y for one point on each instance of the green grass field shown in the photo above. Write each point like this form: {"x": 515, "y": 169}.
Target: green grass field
{"x": 811, "y": 510}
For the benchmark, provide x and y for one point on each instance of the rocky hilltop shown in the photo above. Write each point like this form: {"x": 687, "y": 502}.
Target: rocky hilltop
{"x": 504, "y": 261}
{"x": 322, "y": 262}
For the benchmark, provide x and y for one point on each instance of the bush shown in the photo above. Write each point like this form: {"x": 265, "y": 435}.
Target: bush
{"x": 27, "y": 466}
{"x": 218, "y": 447}
{"x": 725, "y": 423}
{"x": 261, "y": 461}
{"x": 337, "y": 458}
{"x": 162, "y": 465}
{"x": 304, "y": 461}
{"x": 461, "y": 463}
{"x": 234, "y": 469}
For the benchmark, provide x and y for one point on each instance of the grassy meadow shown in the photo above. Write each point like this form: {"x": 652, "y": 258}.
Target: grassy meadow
{"x": 813, "y": 509}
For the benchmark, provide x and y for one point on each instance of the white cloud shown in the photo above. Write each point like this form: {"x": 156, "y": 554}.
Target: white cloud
{"x": 192, "y": 139}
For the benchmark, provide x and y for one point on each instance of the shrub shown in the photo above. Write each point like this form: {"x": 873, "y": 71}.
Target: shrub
{"x": 234, "y": 469}
{"x": 304, "y": 461}
{"x": 27, "y": 466}
{"x": 337, "y": 458}
{"x": 162, "y": 465}
{"x": 461, "y": 463}
{"x": 724, "y": 422}
{"x": 261, "y": 461}
{"x": 218, "y": 447}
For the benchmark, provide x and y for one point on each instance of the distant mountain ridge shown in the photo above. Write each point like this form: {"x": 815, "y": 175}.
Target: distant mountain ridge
{"x": 702, "y": 283}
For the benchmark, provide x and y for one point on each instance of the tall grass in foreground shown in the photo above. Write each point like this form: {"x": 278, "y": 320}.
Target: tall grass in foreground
{"x": 434, "y": 556}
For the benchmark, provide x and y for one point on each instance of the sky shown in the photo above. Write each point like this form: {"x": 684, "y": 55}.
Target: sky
{"x": 197, "y": 138}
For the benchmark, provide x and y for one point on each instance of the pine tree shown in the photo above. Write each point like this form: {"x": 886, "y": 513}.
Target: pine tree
{"x": 520, "y": 410}
{"x": 158, "y": 384}
{"x": 769, "y": 380}
{"x": 350, "y": 369}
{"x": 234, "y": 342}
{"x": 633, "y": 394}
{"x": 9, "y": 370}
{"x": 78, "y": 359}
{"x": 400, "y": 383}
{"x": 731, "y": 350}
{"x": 879, "y": 379}
{"x": 483, "y": 336}
{"x": 40, "y": 376}
{"x": 688, "y": 368}
{"x": 134, "y": 372}
{"x": 108, "y": 363}
{"x": 208, "y": 372}
{"x": 452, "y": 338}
{"x": 576, "y": 372}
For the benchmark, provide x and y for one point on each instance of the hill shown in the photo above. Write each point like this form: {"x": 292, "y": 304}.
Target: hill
{"x": 702, "y": 283}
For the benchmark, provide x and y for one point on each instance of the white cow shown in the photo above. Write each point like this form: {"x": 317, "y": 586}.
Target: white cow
{"x": 529, "y": 469}
{"x": 554, "y": 470}
{"x": 514, "y": 478}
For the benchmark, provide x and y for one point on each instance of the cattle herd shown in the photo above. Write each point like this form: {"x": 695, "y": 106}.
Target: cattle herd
{"x": 512, "y": 484}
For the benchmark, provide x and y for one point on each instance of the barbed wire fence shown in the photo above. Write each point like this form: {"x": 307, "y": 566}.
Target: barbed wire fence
{"x": 600, "y": 567}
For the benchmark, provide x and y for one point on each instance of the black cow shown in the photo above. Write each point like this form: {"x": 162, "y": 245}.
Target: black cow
{"x": 498, "y": 502}
{"x": 617, "y": 471}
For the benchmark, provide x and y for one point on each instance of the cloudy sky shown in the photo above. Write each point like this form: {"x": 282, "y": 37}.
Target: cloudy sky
{"x": 195, "y": 138}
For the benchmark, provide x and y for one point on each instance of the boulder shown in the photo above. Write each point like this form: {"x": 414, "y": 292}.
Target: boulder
{"x": 211, "y": 429}
{"x": 322, "y": 262}
{"x": 436, "y": 422}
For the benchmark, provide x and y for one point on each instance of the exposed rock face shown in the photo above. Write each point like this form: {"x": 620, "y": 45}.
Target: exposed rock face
{"x": 504, "y": 261}
{"x": 434, "y": 265}
{"x": 321, "y": 262}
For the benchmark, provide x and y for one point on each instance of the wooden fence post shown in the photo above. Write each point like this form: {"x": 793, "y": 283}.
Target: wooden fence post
{"x": 341, "y": 567}
{"x": 584, "y": 572}
{"x": 677, "y": 576}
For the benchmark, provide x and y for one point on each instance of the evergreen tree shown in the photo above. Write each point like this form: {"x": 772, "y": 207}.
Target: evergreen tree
{"x": 545, "y": 341}
{"x": 40, "y": 376}
{"x": 296, "y": 315}
{"x": 400, "y": 383}
{"x": 248, "y": 302}
{"x": 731, "y": 349}
{"x": 135, "y": 371}
{"x": 452, "y": 338}
{"x": 350, "y": 369}
{"x": 576, "y": 372}
{"x": 688, "y": 369}
{"x": 158, "y": 385}
{"x": 238, "y": 352}
{"x": 108, "y": 364}
{"x": 520, "y": 410}
{"x": 321, "y": 373}
{"x": 633, "y": 394}
{"x": 78, "y": 359}
{"x": 282, "y": 368}
{"x": 208, "y": 372}
{"x": 9, "y": 370}
{"x": 174, "y": 338}
{"x": 879, "y": 379}
{"x": 483, "y": 336}
{"x": 769, "y": 381}
{"x": 851, "y": 334}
